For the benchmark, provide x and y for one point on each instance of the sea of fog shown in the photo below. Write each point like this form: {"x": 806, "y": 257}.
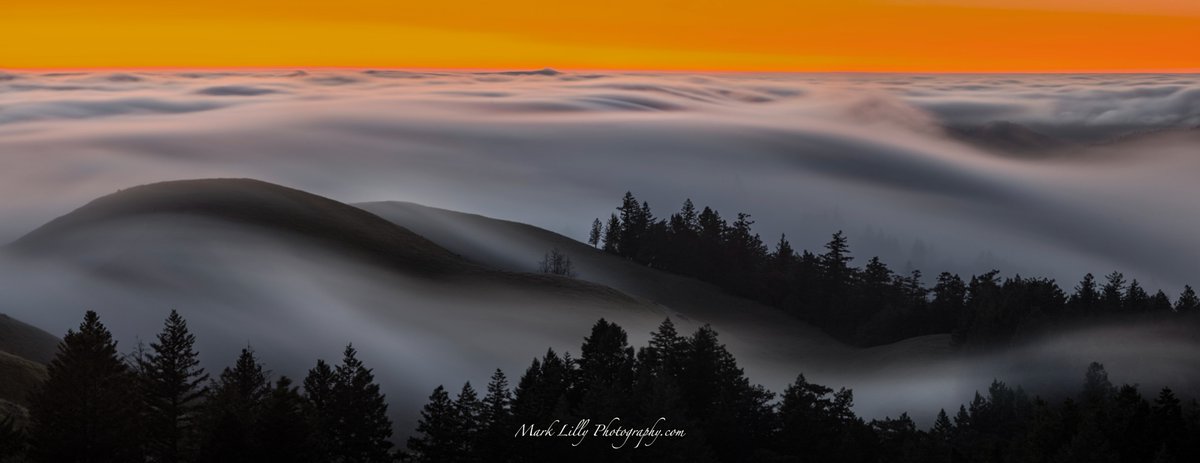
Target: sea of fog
{"x": 1041, "y": 175}
{"x": 1095, "y": 172}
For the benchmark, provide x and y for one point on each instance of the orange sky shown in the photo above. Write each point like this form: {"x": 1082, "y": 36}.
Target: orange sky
{"x": 741, "y": 35}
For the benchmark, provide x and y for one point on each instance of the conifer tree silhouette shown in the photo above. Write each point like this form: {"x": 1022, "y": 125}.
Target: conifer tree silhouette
{"x": 172, "y": 384}
{"x": 362, "y": 428}
{"x": 495, "y": 420}
{"x": 89, "y": 409}
{"x": 232, "y": 411}
{"x": 318, "y": 409}
{"x": 437, "y": 436}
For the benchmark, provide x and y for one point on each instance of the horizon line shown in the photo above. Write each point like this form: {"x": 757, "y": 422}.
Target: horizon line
{"x": 174, "y": 68}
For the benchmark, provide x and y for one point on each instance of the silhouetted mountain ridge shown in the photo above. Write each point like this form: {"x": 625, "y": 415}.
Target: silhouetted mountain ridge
{"x": 26, "y": 341}
{"x": 278, "y": 211}
{"x": 258, "y": 204}
{"x": 24, "y": 351}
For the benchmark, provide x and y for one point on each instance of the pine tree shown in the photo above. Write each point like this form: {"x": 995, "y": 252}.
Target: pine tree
{"x": 362, "y": 428}
{"x": 1160, "y": 303}
{"x": 810, "y": 421}
{"x": 943, "y": 429}
{"x": 876, "y": 276}
{"x": 668, "y": 349}
{"x": 836, "y": 260}
{"x": 1168, "y": 421}
{"x": 962, "y": 419}
{"x": 949, "y": 300}
{"x": 527, "y": 398}
{"x": 898, "y": 438}
{"x": 437, "y": 437}
{"x": 88, "y": 409}
{"x": 732, "y": 414}
{"x": 691, "y": 219}
{"x": 1136, "y": 299}
{"x": 634, "y": 222}
{"x": 915, "y": 292}
{"x": 319, "y": 404}
{"x": 559, "y": 380}
{"x": 784, "y": 256}
{"x": 606, "y": 369}
{"x": 1097, "y": 389}
{"x": 1187, "y": 302}
{"x": 469, "y": 410}
{"x": 837, "y": 277}
{"x": 1113, "y": 294}
{"x": 282, "y": 434}
{"x": 711, "y": 226}
{"x": 542, "y": 391}
{"x": 495, "y": 420}
{"x": 943, "y": 433}
{"x": 594, "y": 235}
{"x": 612, "y": 234}
{"x": 1084, "y": 301}
{"x": 172, "y": 385}
{"x": 657, "y": 395}
{"x": 232, "y": 411}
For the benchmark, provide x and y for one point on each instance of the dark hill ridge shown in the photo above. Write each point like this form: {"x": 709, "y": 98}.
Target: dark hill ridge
{"x": 26, "y": 341}
{"x": 18, "y": 378}
{"x": 280, "y": 212}
{"x": 24, "y": 351}
{"x": 258, "y": 204}
{"x": 516, "y": 246}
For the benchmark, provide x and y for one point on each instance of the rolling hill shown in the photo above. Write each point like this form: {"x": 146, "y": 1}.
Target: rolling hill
{"x": 743, "y": 323}
{"x": 26, "y": 341}
{"x": 774, "y": 347}
{"x": 254, "y": 203}
{"x": 298, "y": 277}
{"x": 24, "y": 351}
{"x": 431, "y": 296}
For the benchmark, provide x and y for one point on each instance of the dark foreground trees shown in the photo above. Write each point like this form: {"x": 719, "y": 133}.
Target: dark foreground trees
{"x": 172, "y": 386}
{"x": 232, "y": 412}
{"x": 12, "y": 439}
{"x": 360, "y": 428}
{"x": 89, "y": 409}
{"x": 98, "y": 406}
{"x": 696, "y": 385}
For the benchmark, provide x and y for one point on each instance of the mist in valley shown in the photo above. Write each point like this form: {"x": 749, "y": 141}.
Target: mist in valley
{"x": 1039, "y": 175}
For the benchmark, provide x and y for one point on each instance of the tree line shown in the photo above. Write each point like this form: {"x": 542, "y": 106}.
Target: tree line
{"x": 158, "y": 405}
{"x": 872, "y": 304}
{"x": 696, "y": 384}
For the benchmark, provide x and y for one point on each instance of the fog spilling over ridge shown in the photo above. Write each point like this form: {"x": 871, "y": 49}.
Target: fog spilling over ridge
{"x": 1039, "y": 174}
{"x": 281, "y": 270}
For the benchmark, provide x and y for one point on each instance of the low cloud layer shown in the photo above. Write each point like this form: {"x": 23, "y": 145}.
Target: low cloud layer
{"x": 883, "y": 157}
{"x": 805, "y": 154}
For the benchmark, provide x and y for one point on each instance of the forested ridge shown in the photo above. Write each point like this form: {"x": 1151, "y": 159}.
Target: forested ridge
{"x": 872, "y": 304}
{"x": 696, "y": 385}
{"x": 157, "y": 405}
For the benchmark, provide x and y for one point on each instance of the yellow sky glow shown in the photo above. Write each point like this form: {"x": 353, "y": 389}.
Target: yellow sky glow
{"x": 748, "y": 35}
